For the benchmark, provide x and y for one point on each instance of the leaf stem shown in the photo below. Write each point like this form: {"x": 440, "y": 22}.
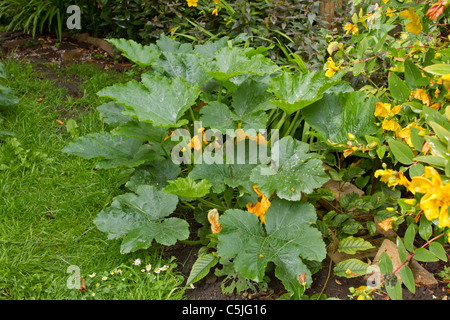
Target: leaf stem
{"x": 219, "y": 96}
{"x": 293, "y": 121}
{"x": 217, "y": 206}
{"x": 192, "y": 242}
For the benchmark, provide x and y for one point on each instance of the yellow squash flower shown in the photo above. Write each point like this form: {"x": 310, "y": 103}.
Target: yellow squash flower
{"x": 213, "y": 218}
{"x": 260, "y": 207}
{"x": 331, "y": 68}
{"x": 436, "y": 199}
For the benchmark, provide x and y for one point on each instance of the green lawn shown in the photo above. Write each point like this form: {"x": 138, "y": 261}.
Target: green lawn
{"x": 48, "y": 200}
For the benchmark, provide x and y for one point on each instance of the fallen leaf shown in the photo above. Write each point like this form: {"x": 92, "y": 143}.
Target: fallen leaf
{"x": 83, "y": 285}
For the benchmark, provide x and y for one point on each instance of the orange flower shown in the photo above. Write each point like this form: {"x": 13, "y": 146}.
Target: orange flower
{"x": 386, "y": 224}
{"x": 213, "y": 218}
{"x": 435, "y": 10}
{"x": 260, "y": 207}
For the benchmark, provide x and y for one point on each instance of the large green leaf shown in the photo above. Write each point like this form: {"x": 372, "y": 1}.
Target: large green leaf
{"x": 218, "y": 116}
{"x": 142, "y": 55}
{"x": 140, "y": 218}
{"x": 231, "y": 62}
{"x": 112, "y": 151}
{"x": 188, "y": 188}
{"x": 286, "y": 240}
{"x": 160, "y": 101}
{"x": 155, "y": 173}
{"x": 336, "y": 115}
{"x": 7, "y": 97}
{"x": 233, "y": 173}
{"x": 296, "y": 91}
{"x": 298, "y": 171}
{"x": 186, "y": 66}
{"x": 249, "y": 102}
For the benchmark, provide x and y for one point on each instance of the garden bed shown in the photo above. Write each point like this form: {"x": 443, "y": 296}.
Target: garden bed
{"x": 41, "y": 51}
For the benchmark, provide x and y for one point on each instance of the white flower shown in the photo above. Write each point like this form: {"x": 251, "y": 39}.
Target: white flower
{"x": 164, "y": 267}
{"x": 92, "y": 275}
{"x": 105, "y": 278}
{"x": 137, "y": 262}
{"x": 97, "y": 284}
{"x": 112, "y": 273}
{"x": 192, "y": 286}
{"x": 157, "y": 270}
{"x": 93, "y": 294}
{"x": 142, "y": 270}
{"x": 148, "y": 267}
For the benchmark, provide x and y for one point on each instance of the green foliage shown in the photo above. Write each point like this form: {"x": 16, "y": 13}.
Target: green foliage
{"x": 142, "y": 114}
{"x": 141, "y": 218}
{"x": 286, "y": 235}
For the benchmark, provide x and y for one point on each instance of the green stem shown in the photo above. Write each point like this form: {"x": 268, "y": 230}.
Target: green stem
{"x": 219, "y": 96}
{"x": 192, "y": 242}
{"x": 293, "y": 121}
{"x": 217, "y": 206}
{"x": 188, "y": 204}
{"x": 278, "y": 127}
{"x": 192, "y": 115}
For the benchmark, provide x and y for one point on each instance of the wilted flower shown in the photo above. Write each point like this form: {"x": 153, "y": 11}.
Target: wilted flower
{"x": 213, "y": 218}
{"x": 436, "y": 10}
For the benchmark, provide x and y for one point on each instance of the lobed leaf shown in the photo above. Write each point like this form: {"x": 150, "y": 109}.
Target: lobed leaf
{"x": 141, "y": 218}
